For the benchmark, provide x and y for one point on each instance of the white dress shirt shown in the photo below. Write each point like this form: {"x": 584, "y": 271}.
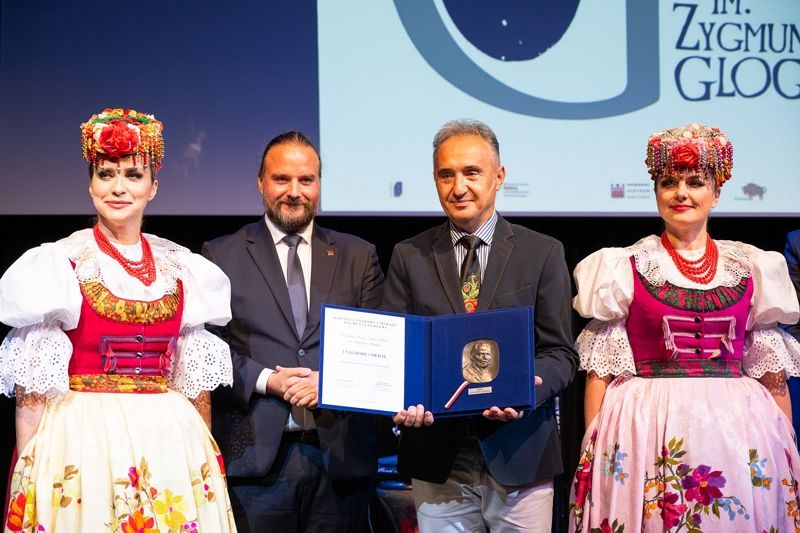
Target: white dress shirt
{"x": 299, "y": 417}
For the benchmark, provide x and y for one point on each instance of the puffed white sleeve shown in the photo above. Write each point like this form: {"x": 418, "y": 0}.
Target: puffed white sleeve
{"x": 768, "y": 348}
{"x": 40, "y": 298}
{"x": 605, "y": 284}
{"x": 605, "y": 291}
{"x": 202, "y": 361}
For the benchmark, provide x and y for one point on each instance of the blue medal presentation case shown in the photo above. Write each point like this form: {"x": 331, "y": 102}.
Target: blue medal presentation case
{"x": 434, "y": 348}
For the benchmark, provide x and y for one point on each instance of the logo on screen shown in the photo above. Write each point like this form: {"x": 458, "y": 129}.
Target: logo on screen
{"x": 527, "y": 31}
{"x": 397, "y": 189}
{"x": 736, "y": 49}
{"x": 631, "y": 190}
{"x": 751, "y": 190}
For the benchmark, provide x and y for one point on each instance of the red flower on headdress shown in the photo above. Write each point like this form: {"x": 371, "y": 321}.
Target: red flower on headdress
{"x": 117, "y": 139}
{"x": 685, "y": 155}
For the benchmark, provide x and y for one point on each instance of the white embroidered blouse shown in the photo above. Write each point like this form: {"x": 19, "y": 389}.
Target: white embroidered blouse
{"x": 605, "y": 291}
{"x": 40, "y": 297}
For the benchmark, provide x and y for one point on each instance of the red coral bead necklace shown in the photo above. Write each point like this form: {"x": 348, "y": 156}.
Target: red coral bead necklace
{"x": 144, "y": 270}
{"x": 701, "y": 270}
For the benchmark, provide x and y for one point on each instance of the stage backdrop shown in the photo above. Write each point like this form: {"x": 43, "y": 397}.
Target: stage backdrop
{"x": 572, "y": 88}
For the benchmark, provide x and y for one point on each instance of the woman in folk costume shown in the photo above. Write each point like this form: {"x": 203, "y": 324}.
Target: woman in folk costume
{"x": 687, "y": 410}
{"x": 110, "y": 362}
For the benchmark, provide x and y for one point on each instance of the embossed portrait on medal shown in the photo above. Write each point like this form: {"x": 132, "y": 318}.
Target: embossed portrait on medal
{"x": 480, "y": 361}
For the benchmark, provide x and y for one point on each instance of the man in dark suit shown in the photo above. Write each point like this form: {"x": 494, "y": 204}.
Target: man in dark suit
{"x": 291, "y": 466}
{"x": 494, "y": 470}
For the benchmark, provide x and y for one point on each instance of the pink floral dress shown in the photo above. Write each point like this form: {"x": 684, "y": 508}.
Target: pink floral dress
{"x": 686, "y": 438}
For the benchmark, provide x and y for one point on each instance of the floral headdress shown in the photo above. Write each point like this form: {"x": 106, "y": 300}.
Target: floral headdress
{"x": 693, "y": 147}
{"x": 117, "y": 133}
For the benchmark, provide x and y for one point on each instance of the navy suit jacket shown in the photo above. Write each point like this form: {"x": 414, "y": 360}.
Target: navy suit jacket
{"x": 248, "y": 426}
{"x": 524, "y": 268}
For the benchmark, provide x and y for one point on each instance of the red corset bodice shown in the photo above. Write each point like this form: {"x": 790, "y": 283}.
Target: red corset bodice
{"x": 124, "y": 337}
{"x": 690, "y": 331}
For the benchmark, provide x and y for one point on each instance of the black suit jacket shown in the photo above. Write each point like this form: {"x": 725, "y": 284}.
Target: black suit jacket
{"x": 524, "y": 268}
{"x": 792, "y": 254}
{"x": 247, "y": 425}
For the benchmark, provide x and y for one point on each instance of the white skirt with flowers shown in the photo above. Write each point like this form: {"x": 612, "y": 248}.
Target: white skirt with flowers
{"x": 142, "y": 463}
{"x": 689, "y": 455}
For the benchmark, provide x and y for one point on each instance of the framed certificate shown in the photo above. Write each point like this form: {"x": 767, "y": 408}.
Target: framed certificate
{"x": 380, "y": 362}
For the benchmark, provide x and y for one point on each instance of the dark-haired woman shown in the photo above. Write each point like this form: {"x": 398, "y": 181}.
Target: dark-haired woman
{"x": 687, "y": 409}
{"x": 110, "y": 363}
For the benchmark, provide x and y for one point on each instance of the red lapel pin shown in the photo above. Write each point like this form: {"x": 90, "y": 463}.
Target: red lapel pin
{"x": 330, "y": 252}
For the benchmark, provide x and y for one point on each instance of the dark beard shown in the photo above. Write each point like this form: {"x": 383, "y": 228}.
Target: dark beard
{"x": 293, "y": 224}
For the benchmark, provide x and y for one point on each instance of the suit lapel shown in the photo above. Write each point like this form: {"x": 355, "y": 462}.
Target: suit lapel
{"x": 498, "y": 259}
{"x": 262, "y": 250}
{"x": 447, "y": 269}
{"x": 324, "y": 258}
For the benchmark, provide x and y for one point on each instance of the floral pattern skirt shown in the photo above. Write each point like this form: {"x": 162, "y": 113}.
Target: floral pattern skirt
{"x": 687, "y": 454}
{"x": 134, "y": 463}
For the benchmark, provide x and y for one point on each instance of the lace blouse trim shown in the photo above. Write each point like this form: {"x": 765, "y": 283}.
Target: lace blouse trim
{"x": 603, "y": 347}
{"x": 735, "y": 262}
{"x": 771, "y": 349}
{"x": 202, "y": 363}
{"x": 83, "y": 252}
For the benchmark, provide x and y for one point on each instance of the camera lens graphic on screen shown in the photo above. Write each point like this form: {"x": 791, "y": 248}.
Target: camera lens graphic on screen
{"x": 524, "y": 31}
{"x": 510, "y": 30}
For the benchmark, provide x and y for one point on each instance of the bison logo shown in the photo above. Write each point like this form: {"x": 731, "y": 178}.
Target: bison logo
{"x": 752, "y": 190}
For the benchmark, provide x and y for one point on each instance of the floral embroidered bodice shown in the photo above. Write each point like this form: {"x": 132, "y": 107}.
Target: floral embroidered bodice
{"x": 120, "y": 336}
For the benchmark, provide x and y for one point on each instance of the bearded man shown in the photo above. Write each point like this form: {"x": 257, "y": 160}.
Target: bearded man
{"x": 291, "y": 466}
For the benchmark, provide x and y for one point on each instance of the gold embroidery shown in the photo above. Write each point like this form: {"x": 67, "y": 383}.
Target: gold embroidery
{"x": 117, "y": 383}
{"x": 119, "y": 309}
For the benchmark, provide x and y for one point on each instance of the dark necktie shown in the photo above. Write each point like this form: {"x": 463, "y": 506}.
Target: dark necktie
{"x": 470, "y": 273}
{"x": 296, "y": 283}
